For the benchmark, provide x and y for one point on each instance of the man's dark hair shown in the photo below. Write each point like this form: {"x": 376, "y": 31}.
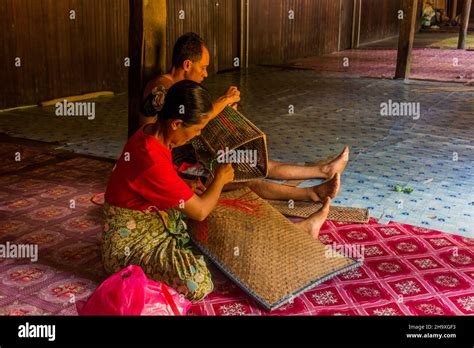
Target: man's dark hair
{"x": 187, "y": 47}
{"x": 188, "y": 101}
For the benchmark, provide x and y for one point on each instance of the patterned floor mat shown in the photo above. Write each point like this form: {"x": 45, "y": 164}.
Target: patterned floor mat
{"x": 407, "y": 270}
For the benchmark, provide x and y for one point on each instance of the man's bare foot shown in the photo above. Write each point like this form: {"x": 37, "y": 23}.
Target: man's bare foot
{"x": 327, "y": 189}
{"x": 313, "y": 224}
{"x": 337, "y": 165}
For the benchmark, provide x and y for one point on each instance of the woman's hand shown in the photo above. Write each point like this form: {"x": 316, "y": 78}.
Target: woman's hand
{"x": 199, "y": 207}
{"x": 198, "y": 187}
{"x": 225, "y": 174}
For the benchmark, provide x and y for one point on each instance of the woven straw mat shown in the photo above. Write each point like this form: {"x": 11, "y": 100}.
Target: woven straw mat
{"x": 268, "y": 256}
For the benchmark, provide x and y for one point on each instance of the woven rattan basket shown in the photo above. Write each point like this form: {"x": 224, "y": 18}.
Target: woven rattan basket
{"x": 232, "y": 130}
{"x": 263, "y": 252}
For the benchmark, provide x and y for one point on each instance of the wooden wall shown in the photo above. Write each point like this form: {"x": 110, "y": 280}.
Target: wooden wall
{"x": 218, "y": 25}
{"x": 438, "y": 4}
{"x": 63, "y": 57}
{"x": 274, "y": 38}
{"x": 379, "y": 19}
{"x": 228, "y": 33}
{"x": 60, "y": 56}
{"x": 318, "y": 27}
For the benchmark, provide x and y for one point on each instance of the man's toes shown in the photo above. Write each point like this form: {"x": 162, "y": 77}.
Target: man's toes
{"x": 345, "y": 154}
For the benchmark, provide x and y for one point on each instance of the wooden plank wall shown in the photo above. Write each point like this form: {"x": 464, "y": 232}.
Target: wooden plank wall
{"x": 217, "y": 25}
{"x": 228, "y": 33}
{"x": 198, "y": 17}
{"x": 60, "y": 56}
{"x": 63, "y": 57}
{"x": 379, "y": 19}
{"x": 274, "y": 38}
{"x": 438, "y": 4}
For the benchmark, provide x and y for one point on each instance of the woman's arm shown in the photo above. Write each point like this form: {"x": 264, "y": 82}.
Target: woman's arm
{"x": 195, "y": 185}
{"x": 199, "y": 207}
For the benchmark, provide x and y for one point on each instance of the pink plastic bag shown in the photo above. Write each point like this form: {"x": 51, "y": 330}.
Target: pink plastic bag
{"x": 130, "y": 292}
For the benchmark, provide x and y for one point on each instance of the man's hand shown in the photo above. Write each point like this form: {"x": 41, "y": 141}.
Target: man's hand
{"x": 232, "y": 96}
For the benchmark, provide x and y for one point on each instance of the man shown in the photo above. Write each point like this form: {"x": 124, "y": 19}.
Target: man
{"x": 190, "y": 61}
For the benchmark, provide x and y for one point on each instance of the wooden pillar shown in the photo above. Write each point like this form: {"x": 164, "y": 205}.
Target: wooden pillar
{"x": 339, "y": 27}
{"x": 244, "y": 33}
{"x": 466, "y": 11}
{"x": 147, "y": 51}
{"x": 356, "y": 18}
{"x": 406, "y": 38}
{"x": 215, "y": 27}
{"x": 454, "y": 9}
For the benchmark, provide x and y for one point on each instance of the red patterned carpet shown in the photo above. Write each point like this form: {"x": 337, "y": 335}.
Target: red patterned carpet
{"x": 427, "y": 64}
{"x": 407, "y": 271}
{"x": 45, "y": 200}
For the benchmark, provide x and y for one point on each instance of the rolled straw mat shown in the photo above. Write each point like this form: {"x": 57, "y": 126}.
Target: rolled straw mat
{"x": 306, "y": 209}
{"x": 264, "y": 253}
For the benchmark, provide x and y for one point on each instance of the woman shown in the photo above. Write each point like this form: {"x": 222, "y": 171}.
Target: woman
{"x": 146, "y": 199}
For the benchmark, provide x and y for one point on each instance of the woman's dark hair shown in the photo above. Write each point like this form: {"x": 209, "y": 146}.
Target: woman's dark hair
{"x": 187, "y": 47}
{"x": 188, "y": 101}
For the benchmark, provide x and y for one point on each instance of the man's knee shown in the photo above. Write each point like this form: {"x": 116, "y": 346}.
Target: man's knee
{"x": 271, "y": 166}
